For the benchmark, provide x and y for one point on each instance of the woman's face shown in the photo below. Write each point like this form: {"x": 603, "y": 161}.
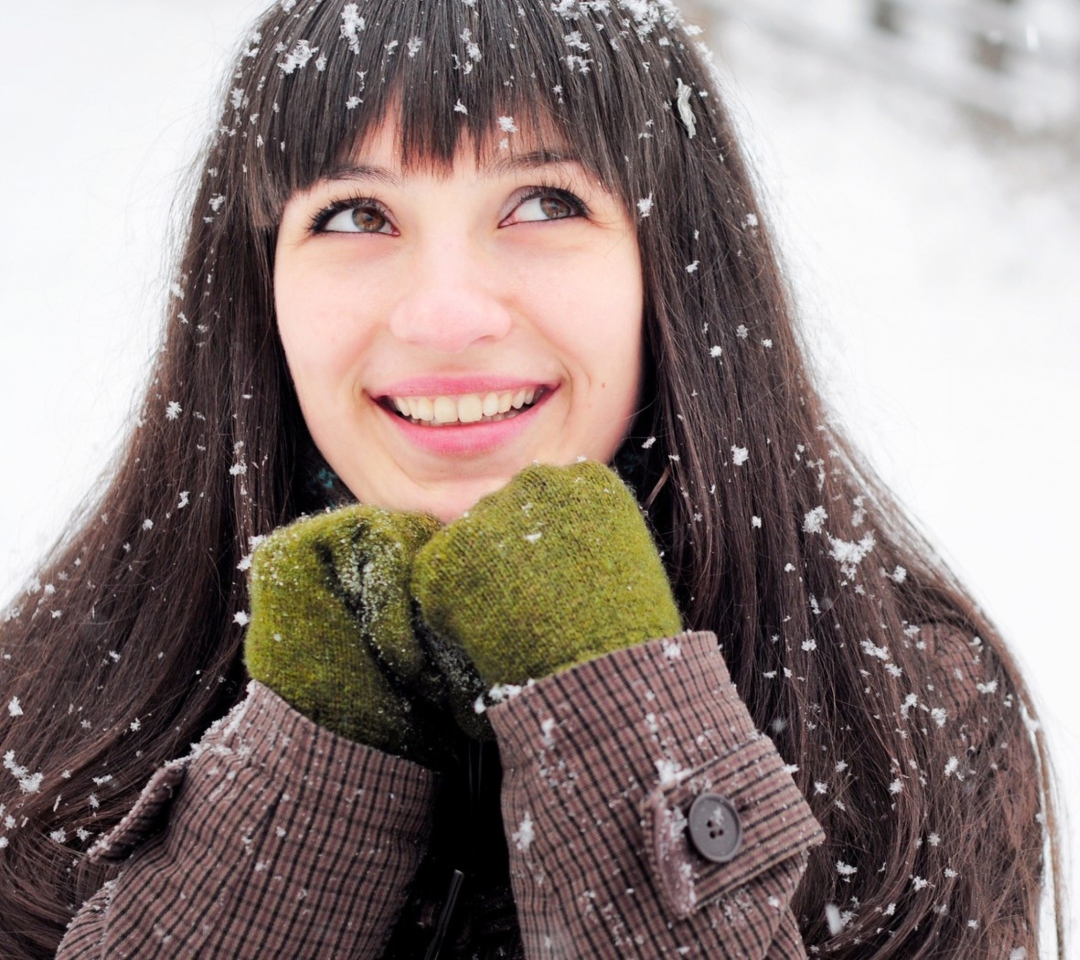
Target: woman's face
{"x": 444, "y": 330}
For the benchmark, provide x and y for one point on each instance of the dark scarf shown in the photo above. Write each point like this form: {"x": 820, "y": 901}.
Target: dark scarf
{"x": 481, "y": 922}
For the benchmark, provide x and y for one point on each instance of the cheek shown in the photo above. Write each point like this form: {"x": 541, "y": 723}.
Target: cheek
{"x": 322, "y": 332}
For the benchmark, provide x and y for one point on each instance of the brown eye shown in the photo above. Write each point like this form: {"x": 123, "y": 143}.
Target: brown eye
{"x": 352, "y": 216}
{"x": 368, "y": 220}
{"x": 554, "y": 208}
{"x": 548, "y": 205}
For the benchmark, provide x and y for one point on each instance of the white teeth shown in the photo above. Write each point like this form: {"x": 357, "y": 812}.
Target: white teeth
{"x": 468, "y": 408}
{"x": 446, "y": 410}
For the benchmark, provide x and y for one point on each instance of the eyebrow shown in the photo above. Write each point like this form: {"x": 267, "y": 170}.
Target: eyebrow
{"x": 501, "y": 166}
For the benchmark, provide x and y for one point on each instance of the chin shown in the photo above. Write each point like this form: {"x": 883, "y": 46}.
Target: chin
{"x": 449, "y": 504}
{"x": 446, "y": 501}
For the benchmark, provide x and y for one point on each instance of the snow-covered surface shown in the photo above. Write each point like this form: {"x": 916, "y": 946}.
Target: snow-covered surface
{"x": 940, "y": 277}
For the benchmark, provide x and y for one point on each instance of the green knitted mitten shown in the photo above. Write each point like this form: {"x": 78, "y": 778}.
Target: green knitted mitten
{"x": 556, "y": 568}
{"x": 332, "y": 629}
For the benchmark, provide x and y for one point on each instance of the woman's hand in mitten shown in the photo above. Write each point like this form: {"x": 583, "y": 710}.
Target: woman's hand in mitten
{"x": 554, "y": 569}
{"x": 332, "y": 629}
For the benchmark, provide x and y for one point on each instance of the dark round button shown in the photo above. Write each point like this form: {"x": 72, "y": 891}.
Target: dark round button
{"x": 715, "y": 828}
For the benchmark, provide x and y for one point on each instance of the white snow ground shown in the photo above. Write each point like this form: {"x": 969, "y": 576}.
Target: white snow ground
{"x": 940, "y": 278}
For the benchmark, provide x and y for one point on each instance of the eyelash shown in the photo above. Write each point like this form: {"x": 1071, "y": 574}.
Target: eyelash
{"x": 331, "y": 210}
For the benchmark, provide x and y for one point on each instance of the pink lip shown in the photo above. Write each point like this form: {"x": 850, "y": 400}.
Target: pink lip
{"x": 448, "y": 386}
{"x": 464, "y": 439}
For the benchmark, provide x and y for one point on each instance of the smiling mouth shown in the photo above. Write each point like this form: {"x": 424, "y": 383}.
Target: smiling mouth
{"x": 470, "y": 408}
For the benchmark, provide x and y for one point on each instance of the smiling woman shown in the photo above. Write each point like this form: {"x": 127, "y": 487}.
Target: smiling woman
{"x": 480, "y": 384}
{"x": 444, "y": 327}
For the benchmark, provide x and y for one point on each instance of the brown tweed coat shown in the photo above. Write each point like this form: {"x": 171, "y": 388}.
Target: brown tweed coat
{"x": 278, "y": 839}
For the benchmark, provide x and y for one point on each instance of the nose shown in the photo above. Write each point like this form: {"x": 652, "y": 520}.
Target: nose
{"x": 453, "y": 300}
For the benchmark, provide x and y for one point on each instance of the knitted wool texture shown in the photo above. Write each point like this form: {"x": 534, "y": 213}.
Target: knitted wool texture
{"x": 555, "y": 569}
{"x": 332, "y": 628}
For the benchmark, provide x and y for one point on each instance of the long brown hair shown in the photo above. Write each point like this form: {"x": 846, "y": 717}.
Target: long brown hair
{"x": 833, "y": 615}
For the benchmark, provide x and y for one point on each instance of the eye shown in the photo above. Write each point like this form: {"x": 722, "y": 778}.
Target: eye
{"x": 353, "y": 216}
{"x": 547, "y": 203}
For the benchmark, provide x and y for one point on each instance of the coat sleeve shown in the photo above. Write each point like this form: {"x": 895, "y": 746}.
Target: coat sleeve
{"x": 603, "y": 764}
{"x": 275, "y": 838}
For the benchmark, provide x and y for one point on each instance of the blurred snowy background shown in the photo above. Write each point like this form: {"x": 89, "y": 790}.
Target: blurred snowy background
{"x": 921, "y": 159}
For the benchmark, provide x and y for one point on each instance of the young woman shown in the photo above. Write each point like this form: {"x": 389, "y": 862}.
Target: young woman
{"x": 447, "y": 261}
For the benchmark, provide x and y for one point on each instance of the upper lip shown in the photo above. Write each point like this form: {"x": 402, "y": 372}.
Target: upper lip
{"x": 455, "y": 386}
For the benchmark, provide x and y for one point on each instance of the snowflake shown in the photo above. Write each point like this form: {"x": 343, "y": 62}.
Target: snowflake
{"x": 739, "y": 455}
{"x": 28, "y": 782}
{"x": 472, "y": 49}
{"x": 525, "y": 834}
{"x": 849, "y": 555}
{"x": 645, "y": 205}
{"x": 814, "y": 520}
{"x": 351, "y": 24}
{"x": 301, "y": 54}
{"x": 882, "y": 653}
